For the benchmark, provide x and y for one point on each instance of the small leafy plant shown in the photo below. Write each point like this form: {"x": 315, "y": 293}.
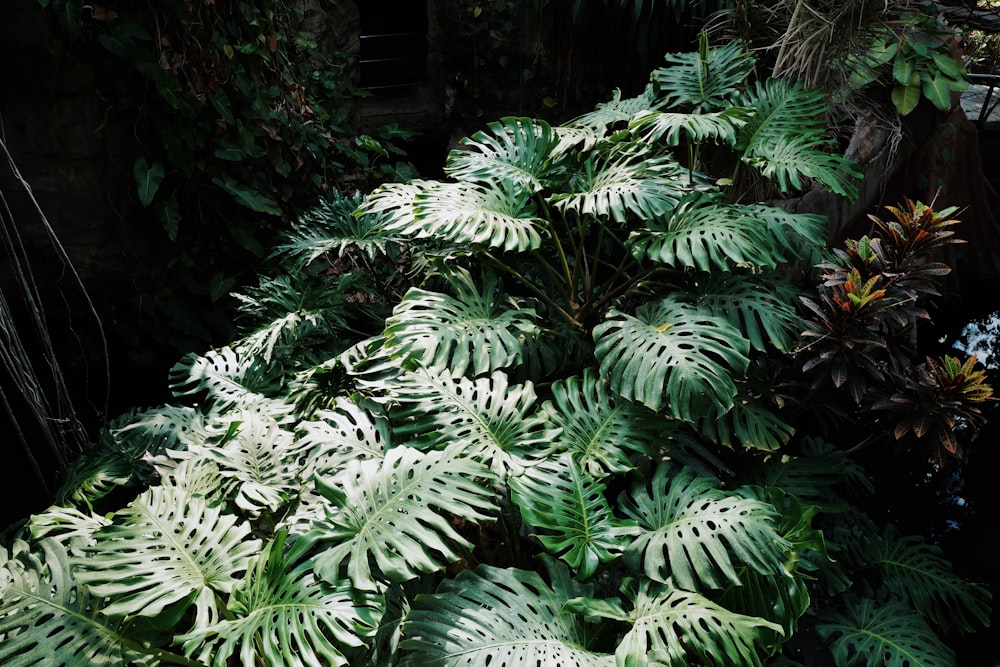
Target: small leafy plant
{"x": 569, "y": 442}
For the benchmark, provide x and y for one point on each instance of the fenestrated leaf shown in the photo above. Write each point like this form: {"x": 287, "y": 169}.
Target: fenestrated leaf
{"x": 764, "y": 310}
{"x": 514, "y": 149}
{"x": 887, "y": 635}
{"x": 672, "y": 354}
{"x": 682, "y": 629}
{"x": 389, "y": 517}
{"x": 614, "y": 111}
{"x": 565, "y": 508}
{"x": 490, "y": 418}
{"x": 674, "y": 127}
{"x": 697, "y": 535}
{"x": 749, "y": 424}
{"x": 478, "y": 330}
{"x": 164, "y": 552}
{"x": 495, "y": 215}
{"x": 229, "y": 377}
{"x": 707, "y": 235}
{"x": 342, "y": 433}
{"x": 918, "y": 572}
{"x": 47, "y": 617}
{"x": 622, "y": 183}
{"x": 497, "y": 617}
{"x": 281, "y": 604}
{"x": 704, "y": 80}
{"x": 598, "y": 428}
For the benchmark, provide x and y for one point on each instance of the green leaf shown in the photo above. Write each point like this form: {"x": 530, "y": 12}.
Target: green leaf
{"x": 281, "y": 603}
{"x": 42, "y": 606}
{"x": 763, "y": 309}
{"x": 673, "y": 127}
{"x": 919, "y": 573}
{"x": 937, "y": 88}
{"x": 148, "y": 178}
{"x": 598, "y": 428}
{"x": 477, "y": 331}
{"x": 565, "y": 508}
{"x": 388, "y": 517}
{"x": 512, "y": 149}
{"x": 682, "y": 628}
{"x": 497, "y": 617}
{"x": 248, "y": 196}
{"x": 704, "y": 81}
{"x": 750, "y": 424}
{"x": 672, "y": 354}
{"x": 887, "y": 635}
{"x": 903, "y": 69}
{"x": 697, "y": 535}
{"x": 164, "y": 552}
{"x": 905, "y": 98}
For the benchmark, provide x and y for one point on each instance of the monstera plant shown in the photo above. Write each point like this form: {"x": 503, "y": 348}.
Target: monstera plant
{"x": 534, "y": 413}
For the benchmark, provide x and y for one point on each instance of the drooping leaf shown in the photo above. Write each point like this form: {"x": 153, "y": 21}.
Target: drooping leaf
{"x": 389, "y": 518}
{"x": 497, "y": 617}
{"x": 672, "y": 354}
{"x": 148, "y": 178}
{"x": 675, "y": 128}
{"x": 697, "y": 535}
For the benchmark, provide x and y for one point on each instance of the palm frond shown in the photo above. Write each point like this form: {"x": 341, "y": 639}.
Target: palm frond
{"x": 672, "y": 354}
{"x": 697, "y": 535}
{"x": 388, "y": 517}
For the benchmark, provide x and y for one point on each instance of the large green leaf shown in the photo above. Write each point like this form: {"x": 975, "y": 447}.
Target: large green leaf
{"x": 490, "y": 418}
{"x": 703, "y": 234}
{"x": 47, "y": 617}
{"x": 696, "y": 534}
{"x": 672, "y": 354}
{"x": 495, "y": 215}
{"x": 706, "y": 80}
{"x": 475, "y": 331}
{"x": 598, "y": 428}
{"x": 674, "y": 127}
{"x": 497, "y": 617}
{"x": 750, "y": 423}
{"x": 229, "y": 377}
{"x": 342, "y": 433}
{"x": 763, "y": 309}
{"x": 919, "y": 573}
{"x": 511, "y": 149}
{"x": 865, "y": 634}
{"x": 392, "y": 514}
{"x": 622, "y": 183}
{"x": 285, "y": 615}
{"x": 164, "y": 552}
{"x": 566, "y": 509}
{"x": 614, "y": 111}
{"x": 679, "y": 628}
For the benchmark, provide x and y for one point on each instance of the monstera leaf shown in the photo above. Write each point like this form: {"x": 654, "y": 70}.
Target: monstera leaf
{"x": 281, "y": 604}
{"x": 763, "y": 310}
{"x": 785, "y": 138}
{"x": 599, "y": 428}
{"x": 750, "y": 424}
{"x": 674, "y": 127}
{"x": 49, "y": 618}
{"x": 496, "y": 215}
{"x": 392, "y": 514}
{"x": 706, "y": 80}
{"x": 919, "y": 573}
{"x": 166, "y": 551}
{"x": 672, "y": 354}
{"x": 228, "y": 377}
{"x": 614, "y": 111}
{"x": 696, "y": 534}
{"x": 342, "y": 433}
{"x": 621, "y": 183}
{"x": 681, "y": 629}
{"x": 488, "y": 417}
{"x": 511, "y": 149}
{"x": 565, "y": 508}
{"x": 704, "y": 234}
{"x": 887, "y": 635}
{"x": 476, "y": 331}
{"x": 497, "y": 617}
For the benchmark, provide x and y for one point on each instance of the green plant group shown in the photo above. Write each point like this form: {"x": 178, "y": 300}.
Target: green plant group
{"x": 550, "y": 409}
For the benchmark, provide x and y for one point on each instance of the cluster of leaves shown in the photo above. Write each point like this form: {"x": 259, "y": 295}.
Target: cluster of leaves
{"x": 560, "y": 447}
{"x": 921, "y": 59}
